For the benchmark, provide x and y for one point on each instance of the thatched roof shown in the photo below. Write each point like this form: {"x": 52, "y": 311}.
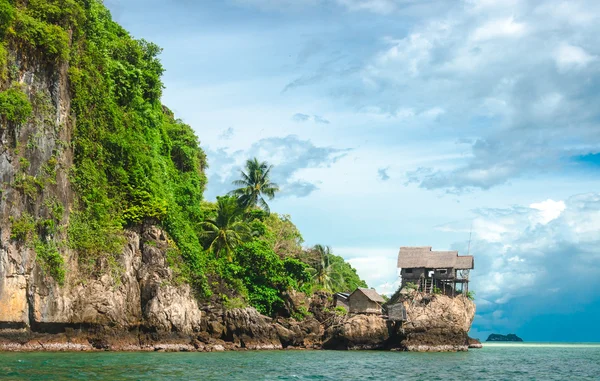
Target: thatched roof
{"x": 423, "y": 256}
{"x": 371, "y": 294}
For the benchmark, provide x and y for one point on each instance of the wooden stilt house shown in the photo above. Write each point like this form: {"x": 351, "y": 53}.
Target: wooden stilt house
{"x": 435, "y": 271}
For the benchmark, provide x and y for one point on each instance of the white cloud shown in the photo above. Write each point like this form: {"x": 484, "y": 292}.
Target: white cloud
{"x": 569, "y": 57}
{"x": 507, "y": 27}
{"x": 549, "y": 209}
{"x": 377, "y": 266}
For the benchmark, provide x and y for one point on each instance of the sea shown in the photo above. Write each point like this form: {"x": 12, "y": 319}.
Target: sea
{"x": 497, "y": 361}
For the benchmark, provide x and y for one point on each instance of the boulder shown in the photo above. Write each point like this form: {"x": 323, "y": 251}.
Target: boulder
{"x": 358, "y": 332}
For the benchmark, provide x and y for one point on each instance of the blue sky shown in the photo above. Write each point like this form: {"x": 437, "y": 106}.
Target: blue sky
{"x": 402, "y": 122}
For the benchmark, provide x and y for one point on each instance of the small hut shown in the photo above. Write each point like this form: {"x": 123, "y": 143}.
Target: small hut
{"x": 365, "y": 301}
{"x": 340, "y": 299}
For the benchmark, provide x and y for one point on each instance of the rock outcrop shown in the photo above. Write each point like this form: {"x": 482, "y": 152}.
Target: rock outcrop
{"x": 358, "y": 332}
{"x": 437, "y": 323}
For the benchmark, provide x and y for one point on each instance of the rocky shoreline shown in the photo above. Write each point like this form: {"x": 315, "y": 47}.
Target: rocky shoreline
{"x": 147, "y": 310}
{"x": 245, "y": 329}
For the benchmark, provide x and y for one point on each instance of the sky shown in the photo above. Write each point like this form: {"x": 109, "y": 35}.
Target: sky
{"x": 409, "y": 123}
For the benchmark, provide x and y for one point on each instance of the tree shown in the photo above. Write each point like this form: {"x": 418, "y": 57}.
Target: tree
{"x": 264, "y": 275}
{"x": 254, "y": 185}
{"x": 325, "y": 274}
{"x": 227, "y": 230}
{"x": 330, "y": 272}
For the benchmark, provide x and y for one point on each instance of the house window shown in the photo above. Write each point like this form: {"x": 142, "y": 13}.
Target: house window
{"x": 443, "y": 271}
{"x": 408, "y": 271}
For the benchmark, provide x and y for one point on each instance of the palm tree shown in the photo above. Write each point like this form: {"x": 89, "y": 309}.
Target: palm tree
{"x": 228, "y": 229}
{"x": 325, "y": 273}
{"x": 254, "y": 184}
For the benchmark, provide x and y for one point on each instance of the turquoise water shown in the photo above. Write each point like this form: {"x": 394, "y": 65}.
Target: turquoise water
{"x": 493, "y": 362}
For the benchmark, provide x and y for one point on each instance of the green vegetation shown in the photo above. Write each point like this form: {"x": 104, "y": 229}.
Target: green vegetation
{"x": 330, "y": 272}
{"x": 14, "y": 105}
{"x": 134, "y": 163}
{"x": 225, "y": 232}
{"x": 22, "y": 228}
{"x": 301, "y": 313}
{"x": 470, "y": 295}
{"x": 264, "y": 255}
{"x": 37, "y": 235}
{"x": 340, "y": 311}
{"x": 49, "y": 257}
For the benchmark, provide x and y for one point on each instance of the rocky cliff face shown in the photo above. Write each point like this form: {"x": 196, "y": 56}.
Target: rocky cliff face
{"x": 436, "y": 323}
{"x": 34, "y": 163}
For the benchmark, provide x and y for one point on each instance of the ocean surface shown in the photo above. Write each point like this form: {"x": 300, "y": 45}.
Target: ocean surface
{"x": 493, "y": 362}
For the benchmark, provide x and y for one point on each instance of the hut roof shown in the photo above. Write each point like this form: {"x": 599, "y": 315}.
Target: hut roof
{"x": 371, "y": 294}
{"x": 423, "y": 256}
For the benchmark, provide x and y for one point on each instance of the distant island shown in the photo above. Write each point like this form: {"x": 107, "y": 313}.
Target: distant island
{"x": 509, "y": 337}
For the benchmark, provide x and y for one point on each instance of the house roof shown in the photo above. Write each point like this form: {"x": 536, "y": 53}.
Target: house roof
{"x": 371, "y": 294}
{"x": 343, "y": 295}
{"x": 423, "y": 256}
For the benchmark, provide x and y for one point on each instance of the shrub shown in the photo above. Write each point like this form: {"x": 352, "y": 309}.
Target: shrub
{"x": 29, "y": 185}
{"x": 22, "y": 228}
{"x": 94, "y": 239}
{"x": 7, "y": 15}
{"x": 301, "y": 313}
{"x": 470, "y": 295}
{"x": 231, "y": 303}
{"x": 50, "y": 259}
{"x": 340, "y": 311}
{"x": 14, "y": 105}
{"x": 40, "y": 36}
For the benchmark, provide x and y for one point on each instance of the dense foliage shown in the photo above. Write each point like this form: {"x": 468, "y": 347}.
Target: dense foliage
{"x": 134, "y": 163}
{"x": 14, "y": 105}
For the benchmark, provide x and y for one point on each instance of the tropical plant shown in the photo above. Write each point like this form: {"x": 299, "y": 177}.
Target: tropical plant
{"x": 227, "y": 230}
{"x": 324, "y": 274}
{"x": 254, "y": 185}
